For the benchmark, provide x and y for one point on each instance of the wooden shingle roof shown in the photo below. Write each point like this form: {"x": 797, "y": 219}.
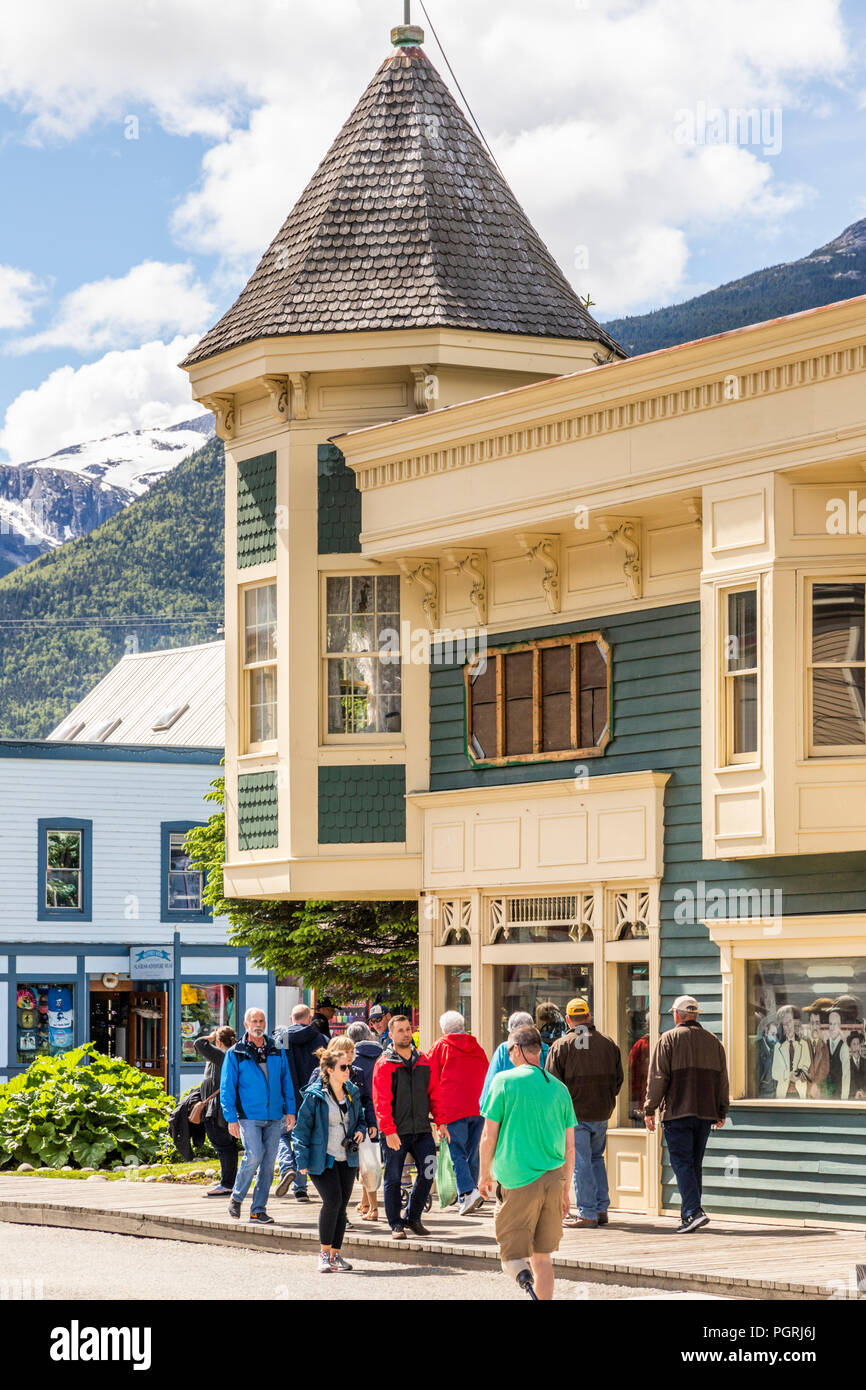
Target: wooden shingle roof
{"x": 407, "y": 223}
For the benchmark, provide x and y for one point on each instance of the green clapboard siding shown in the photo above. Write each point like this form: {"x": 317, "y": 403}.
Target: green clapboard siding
{"x": 362, "y": 805}
{"x": 791, "y": 1165}
{"x": 339, "y": 504}
{"x": 257, "y": 511}
{"x": 258, "y": 825}
{"x": 656, "y": 726}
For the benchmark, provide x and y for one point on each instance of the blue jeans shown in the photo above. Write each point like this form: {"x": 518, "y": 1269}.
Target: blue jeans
{"x": 463, "y": 1143}
{"x": 260, "y": 1139}
{"x": 590, "y": 1175}
{"x": 422, "y": 1147}
{"x": 286, "y": 1159}
{"x": 686, "y": 1140}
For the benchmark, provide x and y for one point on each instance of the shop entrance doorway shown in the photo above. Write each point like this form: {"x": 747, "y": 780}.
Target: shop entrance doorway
{"x": 131, "y": 1024}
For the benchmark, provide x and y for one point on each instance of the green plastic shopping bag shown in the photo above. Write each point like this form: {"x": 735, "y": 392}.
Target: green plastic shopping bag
{"x": 446, "y": 1183}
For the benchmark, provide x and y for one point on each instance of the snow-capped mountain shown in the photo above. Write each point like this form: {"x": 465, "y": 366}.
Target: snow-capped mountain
{"x": 67, "y": 494}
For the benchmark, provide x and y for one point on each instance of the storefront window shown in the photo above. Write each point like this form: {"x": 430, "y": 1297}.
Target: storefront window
{"x": 542, "y": 990}
{"x": 458, "y": 991}
{"x": 806, "y": 1029}
{"x": 203, "y": 1008}
{"x": 44, "y": 1021}
{"x": 633, "y": 1016}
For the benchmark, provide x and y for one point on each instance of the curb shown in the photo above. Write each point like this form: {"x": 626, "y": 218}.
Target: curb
{"x": 279, "y": 1238}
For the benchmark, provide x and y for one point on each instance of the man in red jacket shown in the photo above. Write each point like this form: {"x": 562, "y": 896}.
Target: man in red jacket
{"x": 458, "y": 1068}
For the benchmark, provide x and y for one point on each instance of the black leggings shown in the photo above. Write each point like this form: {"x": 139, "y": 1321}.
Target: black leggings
{"x": 334, "y": 1186}
{"x": 227, "y": 1151}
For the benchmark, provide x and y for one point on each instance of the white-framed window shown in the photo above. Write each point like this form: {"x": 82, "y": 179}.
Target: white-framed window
{"x": 836, "y": 667}
{"x": 259, "y": 620}
{"x": 740, "y": 674}
{"x": 361, "y": 654}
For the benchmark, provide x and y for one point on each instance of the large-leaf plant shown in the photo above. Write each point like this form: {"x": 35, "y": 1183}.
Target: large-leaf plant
{"x": 84, "y": 1109}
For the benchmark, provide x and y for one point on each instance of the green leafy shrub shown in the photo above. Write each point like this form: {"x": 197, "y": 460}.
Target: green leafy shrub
{"x": 84, "y": 1109}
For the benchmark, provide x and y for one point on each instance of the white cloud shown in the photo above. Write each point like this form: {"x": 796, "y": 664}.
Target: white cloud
{"x": 579, "y": 100}
{"x": 197, "y": 64}
{"x": 121, "y": 391}
{"x": 581, "y": 106}
{"x": 20, "y": 291}
{"x": 152, "y": 300}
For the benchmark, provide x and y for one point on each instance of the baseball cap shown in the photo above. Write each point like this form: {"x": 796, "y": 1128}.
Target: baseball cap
{"x": 378, "y": 1011}
{"x": 685, "y": 1004}
{"x": 577, "y": 1008}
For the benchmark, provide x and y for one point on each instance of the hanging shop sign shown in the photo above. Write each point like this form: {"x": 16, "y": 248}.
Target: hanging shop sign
{"x": 151, "y": 962}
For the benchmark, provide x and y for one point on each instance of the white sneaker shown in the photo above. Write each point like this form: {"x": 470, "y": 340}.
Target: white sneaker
{"x": 471, "y": 1202}
{"x": 324, "y": 1263}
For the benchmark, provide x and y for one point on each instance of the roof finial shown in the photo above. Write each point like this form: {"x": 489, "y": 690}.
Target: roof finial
{"x": 407, "y": 35}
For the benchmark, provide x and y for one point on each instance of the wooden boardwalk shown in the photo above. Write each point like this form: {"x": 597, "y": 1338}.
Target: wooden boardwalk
{"x": 733, "y": 1259}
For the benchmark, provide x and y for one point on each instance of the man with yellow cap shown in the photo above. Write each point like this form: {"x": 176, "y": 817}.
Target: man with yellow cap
{"x": 590, "y": 1066}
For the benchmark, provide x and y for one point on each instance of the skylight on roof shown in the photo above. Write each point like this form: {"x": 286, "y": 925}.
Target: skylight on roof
{"x": 167, "y": 717}
{"x": 69, "y": 731}
{"x": 101, "y": 732}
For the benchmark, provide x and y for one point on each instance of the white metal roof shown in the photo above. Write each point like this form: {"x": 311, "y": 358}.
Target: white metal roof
{"x": 129, "y": 701}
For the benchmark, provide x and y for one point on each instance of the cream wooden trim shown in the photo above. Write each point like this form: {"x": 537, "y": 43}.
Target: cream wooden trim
{"x": 539, "y": 953}
{"x": 452, "y": 955}
{"x": 756, "y": 938}
{"x": 614, "y": 416}
{"x": 615, "y": 782}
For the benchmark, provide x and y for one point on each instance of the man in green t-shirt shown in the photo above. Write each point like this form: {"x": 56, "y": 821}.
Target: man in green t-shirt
{"x": 528, "y": 1144}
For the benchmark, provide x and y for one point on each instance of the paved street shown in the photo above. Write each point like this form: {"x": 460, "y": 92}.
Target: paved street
{"x": 729, "y": 1258}
{"x": 73, "y": 1265}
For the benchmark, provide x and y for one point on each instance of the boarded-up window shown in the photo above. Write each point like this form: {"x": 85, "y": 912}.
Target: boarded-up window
{"x": 540, "y": 701}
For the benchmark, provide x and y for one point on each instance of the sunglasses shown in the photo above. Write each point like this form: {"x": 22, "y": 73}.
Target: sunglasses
{"x": 341, "y": 1067}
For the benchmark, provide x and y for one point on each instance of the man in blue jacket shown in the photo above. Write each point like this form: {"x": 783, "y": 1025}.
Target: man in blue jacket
{"x": 256, "y": 1093}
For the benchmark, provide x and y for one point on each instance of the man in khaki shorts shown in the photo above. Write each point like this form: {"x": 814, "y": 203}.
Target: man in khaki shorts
{"x": 528, "y": 1144}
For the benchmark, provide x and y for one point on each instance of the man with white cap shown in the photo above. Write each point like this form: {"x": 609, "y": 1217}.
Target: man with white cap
{"x": 688, "y": 1085}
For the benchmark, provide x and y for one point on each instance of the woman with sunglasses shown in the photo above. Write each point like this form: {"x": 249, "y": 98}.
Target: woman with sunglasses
{"x": 328, "y": 1130}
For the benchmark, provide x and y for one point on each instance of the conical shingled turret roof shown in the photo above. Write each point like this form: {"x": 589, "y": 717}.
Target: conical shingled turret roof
{"x": 407, "y": 223}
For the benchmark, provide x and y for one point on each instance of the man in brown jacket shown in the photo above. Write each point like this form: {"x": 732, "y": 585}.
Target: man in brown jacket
{"x": 688, "y": 1084}
{"x": 590, "y": 1066}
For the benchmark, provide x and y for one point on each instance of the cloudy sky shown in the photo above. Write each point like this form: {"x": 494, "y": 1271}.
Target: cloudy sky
{"x": 150, "y": 150}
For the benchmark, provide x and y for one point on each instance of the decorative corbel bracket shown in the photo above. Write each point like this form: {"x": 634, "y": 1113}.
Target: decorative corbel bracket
{"x": 545, "y": 549}
{"x": 277, "y": 388}
{"x": 425, "y": 573}
{"x": 300, "y": 397}
{"x": 474, "y": 567}
{"x": 627, "y": 535}
{"x": 695, "y": 509}
{"x": 426, "y": 388}
{"x": 223, "y": 407}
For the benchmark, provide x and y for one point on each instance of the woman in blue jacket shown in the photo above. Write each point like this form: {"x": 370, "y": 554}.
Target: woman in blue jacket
{"x": 329, "y": 1128}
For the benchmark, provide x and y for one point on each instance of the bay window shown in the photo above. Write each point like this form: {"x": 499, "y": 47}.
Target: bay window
{"x": 363, "y": 676}
{"x": 260, "y": 665}
{"x": 740, "y": 675}
{"x": 837, "y": 667}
